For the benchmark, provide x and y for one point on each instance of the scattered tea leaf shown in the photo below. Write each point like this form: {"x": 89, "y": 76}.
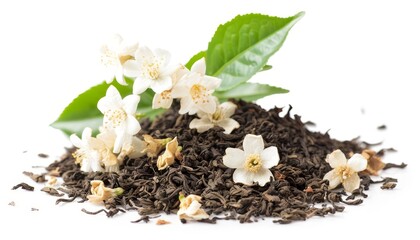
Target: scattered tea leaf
{"x": 388, "y": 185}
{"x": 51, "y": 191}
{"x": 24, "y": 186}
{"x": 393, "y": 165}
{"x": 382, "y": 127}
{"x": 39, "y": 178}
{"x": 43, "y": 155}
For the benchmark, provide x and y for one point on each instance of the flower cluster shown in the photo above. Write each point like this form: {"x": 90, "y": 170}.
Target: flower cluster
{"x": 116, "y": 139}
{"x": 152, "y": 69}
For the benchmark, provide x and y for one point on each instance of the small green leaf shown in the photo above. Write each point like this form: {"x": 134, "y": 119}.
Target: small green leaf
{"x": 195, "y": 58}
{"x": 83, "y": 112}
{"x": 266, "y": 68}
{"x": 241, "y": 47}
{"x": 249, "y": 92}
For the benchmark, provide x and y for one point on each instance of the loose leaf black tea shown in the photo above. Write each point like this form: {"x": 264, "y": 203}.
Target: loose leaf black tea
{"x": 24, "y": 186}
{"x": 297, "y": 191}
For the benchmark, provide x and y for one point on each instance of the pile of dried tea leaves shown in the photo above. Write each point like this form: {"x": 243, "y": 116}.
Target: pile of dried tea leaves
{"x": 297, "y": 191}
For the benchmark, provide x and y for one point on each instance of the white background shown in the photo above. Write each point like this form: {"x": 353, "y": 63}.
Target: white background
{"x": 340, "y": 60}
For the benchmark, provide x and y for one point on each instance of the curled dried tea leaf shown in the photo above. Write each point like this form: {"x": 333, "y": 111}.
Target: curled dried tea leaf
{"x": 51, "y": 191}
{"x": 39, "y": 178}
{"x": 24, "y": 186}
{"x": 375, "y": 163}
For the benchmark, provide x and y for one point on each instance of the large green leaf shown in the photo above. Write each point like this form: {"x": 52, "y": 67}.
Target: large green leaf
{"x": 83, "y": 112}
{"x": 249, "y": 92}
{"x": 242, "y": 47}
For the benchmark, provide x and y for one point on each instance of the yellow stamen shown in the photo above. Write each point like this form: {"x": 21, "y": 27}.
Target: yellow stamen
{"x": 253, "y": 163}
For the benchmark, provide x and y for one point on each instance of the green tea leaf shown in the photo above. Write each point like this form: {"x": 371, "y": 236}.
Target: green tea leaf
{"x": 249, "y": 92}
{"x": 195, "y": 58}
{"x": 241, "y": 47}
{"x": 266, "y": 68}
{"x": 83, "y": 112}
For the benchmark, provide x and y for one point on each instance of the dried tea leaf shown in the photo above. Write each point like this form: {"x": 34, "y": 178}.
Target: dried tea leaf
{"x": 375, "y": 163}
{"x": 39, "y": 178}
{"x": 51, "y": 191}
{"x": 24, "y": 186}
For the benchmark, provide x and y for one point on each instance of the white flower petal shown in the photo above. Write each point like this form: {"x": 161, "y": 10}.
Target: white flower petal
{"x": 336, "y": 159}
{"x": 131, "y": 68}
{"x": 133, "y": 125}
{"x": 351, "y": 183}
{"x": 228, "y": 109}
{"x": 178, "y": 73}
{"x": 118, "y": 143}
{"x": 85, "y": 165}
{"x": 161, "y": 84}
{"x": 162, "y": 102}
{"x": 211, "y": 83}
{"x": 201, "y": 125}
{"x": 234, "y": 158}
{"x": 228, "y": 124}
{"x": 262, "y": 176}
{"x": 86, "y": 134}
{"x": 138, "y": 147}
{"x": 193, "y": 208}
{"x": 253, "y": 144}
{"x": 333, "y": 179}
{"x": 163, "y": 56}
{"x": 144, "y": 54}
{"x": 180, "y": 90}
{"x": 186, "y": 104}
{"x": 208, "y": 107}
{"x": 357, "y": 162}
{"x": 96, "y": 165}
{"x": 120, "y": 78}
{"x": 199, "y": 67}
{"x": 76, "y": 141}
{"x": 111, "y": 100}
{"x": 114, "y": 42}
{"x": 130, "y": 103}
{"x": 242, "y": 176}
{"x": 107, "y": 137}
{"x": 129, "y": 48}
{"x": 141, "y": 84}
{"x": 270, "y": 157}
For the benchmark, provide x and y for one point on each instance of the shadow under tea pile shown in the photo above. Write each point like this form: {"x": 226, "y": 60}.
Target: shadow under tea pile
{"x": 292, "y": 194}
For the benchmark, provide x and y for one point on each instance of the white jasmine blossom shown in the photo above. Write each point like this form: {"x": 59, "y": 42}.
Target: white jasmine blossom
{"x": 113, "y": 56}
{"x": 101, "y": 193}
{"x": 131, "y": 146}
{"x": 119, "y": 115}
{"x": 344, "y": 171}
{"x": 253, "y": 163}
{"x": 87, "y": 155}
{"x": 190, "y": 208}
{"x": 150, "y": 69}
{"x": 165, "y": 99}
{"x": 221, "y": 117}
{"x": 195, "y": 90}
